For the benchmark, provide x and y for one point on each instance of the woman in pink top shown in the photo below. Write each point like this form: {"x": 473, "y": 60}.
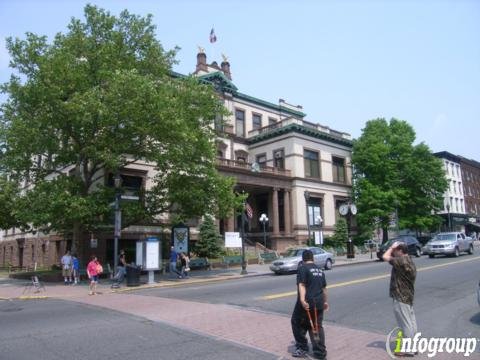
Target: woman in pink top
{"x": 93, "y": 270}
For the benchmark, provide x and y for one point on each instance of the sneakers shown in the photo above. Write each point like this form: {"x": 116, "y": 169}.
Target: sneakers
{"x": 299, "y": 353}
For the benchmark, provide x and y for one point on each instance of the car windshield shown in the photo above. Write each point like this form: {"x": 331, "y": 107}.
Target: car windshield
{"x": 451, "y": 237}
{"x": 294, "y": 252}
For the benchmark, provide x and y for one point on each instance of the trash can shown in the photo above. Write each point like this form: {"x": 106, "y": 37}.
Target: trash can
{"x": 133, "y": 275}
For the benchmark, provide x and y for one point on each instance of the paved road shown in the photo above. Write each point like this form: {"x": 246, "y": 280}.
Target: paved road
{"x": 58, "y": 330}
{"x": 444, "y": 303}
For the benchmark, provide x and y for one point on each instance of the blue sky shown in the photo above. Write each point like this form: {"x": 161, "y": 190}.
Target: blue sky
{"x": 345, "y": 62}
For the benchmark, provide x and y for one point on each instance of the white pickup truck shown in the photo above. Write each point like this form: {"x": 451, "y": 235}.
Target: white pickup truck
{"x": 451, "y": 243}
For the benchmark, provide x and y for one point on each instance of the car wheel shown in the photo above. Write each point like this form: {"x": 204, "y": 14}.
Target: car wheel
{"x": 457, "y": 252}
{"x": 470, "y": 249}
{"x": 418, "y": 252}
{"x": 328, "y": 264}
{"x": 431, "y": 256}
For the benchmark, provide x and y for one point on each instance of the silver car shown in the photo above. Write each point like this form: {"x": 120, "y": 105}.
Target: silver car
{"x": 451, "y": 243}
{"x": 293, "y": 258}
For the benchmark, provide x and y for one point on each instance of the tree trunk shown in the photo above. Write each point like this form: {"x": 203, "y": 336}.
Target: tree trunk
{"x": 77, "y": 243}
{"x": 385, "y": 234}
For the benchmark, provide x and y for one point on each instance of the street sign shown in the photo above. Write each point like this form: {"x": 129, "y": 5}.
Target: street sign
{"x": 233, "y": 240}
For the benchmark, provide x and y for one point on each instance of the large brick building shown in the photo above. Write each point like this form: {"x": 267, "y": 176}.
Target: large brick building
{"x": 273, "y": 152}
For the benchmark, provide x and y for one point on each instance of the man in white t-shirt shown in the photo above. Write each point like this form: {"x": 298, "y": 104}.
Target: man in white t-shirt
{"x": 67, "y": 267}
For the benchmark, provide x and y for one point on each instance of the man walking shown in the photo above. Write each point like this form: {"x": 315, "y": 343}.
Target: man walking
{"x": 173, "y": 262}
{"x": 308, "y": 312}
{"x": 402, "y": 282}
{"x": 67, "y": 267}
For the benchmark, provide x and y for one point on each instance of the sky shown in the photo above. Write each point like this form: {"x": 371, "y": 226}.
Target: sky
{"x": 345, "y": 62}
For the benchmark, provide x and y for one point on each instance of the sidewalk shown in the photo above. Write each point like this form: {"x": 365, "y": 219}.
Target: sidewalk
{"x": 12, "y": 288}
{"x": 269, "y": 332}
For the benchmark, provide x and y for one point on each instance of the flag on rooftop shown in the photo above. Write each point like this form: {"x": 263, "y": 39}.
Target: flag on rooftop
{"x": 213, "y": 37}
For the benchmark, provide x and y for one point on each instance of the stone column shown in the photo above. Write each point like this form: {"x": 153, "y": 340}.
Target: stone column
{"x": 275, "y": 220}
{"x": 286, "y": 211}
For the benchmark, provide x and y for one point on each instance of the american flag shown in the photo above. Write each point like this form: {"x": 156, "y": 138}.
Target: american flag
{"x": 213, "y": 37}
{"x": 249, "y": 210}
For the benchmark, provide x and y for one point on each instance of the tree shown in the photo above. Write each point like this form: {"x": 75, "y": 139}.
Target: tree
{"x": 95, "y": 100}
{"x": 391, "y": 175}
{"x": 209, "y": 243}
{"x": 340, "y": 236}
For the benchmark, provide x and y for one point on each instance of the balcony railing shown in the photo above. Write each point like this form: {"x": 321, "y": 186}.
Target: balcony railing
{"x": 293, "y": 120}
{"x": 236, "y": 164}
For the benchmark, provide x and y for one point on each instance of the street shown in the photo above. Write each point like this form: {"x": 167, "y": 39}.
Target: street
{"x": 445, "y": 302}
{"x": 240, "y": 319}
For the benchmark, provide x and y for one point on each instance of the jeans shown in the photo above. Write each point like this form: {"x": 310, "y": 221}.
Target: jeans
{"x": 120, "y": 275}
{"x": 405, "y": 318}
{"x": 173, "y": 269}
{"x": 300, "y": 326}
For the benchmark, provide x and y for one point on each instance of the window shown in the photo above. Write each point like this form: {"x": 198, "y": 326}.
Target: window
{"x": 279, "y": 159}
{"x": 240, "y": 123}
{"x": 262, "y": 160}
{"x": 338, "y": 166}
{"x": 220, "y": 154}
{"x": 218, "y": 122}
{"x": 256, "y": 121}
{"x": 272, "y": 121}
{"x": 311, "y": 164}
{"x": 314, "y": 211}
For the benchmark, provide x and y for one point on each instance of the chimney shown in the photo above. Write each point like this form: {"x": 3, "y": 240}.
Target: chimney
{"x": 226, "y": 69}
{"x": 201, "y": 61}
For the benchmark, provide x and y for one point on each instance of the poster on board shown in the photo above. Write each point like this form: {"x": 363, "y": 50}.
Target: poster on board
{"x": 152, "y": 254}
{"x": 233, "y": 240}
{"x": 181, "y": 235}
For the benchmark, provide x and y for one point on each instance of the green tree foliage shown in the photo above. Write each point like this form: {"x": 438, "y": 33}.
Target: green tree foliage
{"x": 8, "y": 196}
{"x": 98, "y": 98}
{"x": 391, "y": 173}
{"x": 340, "y": 235}
{"x": 209, "y": 243}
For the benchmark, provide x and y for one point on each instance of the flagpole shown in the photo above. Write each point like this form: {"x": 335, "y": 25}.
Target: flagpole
{"x": 244, "y": 264}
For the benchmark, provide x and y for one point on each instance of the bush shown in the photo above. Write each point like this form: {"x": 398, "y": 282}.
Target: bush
{"x": 208, "y": 245}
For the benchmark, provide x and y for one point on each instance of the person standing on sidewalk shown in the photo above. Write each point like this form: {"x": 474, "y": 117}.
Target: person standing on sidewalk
{"x": 173, "y": 262}
{"x": 121, "y": 269}
{"x": 185, "y": 264}
{"x": 67, "y": 267}
{"x": 94, "y": 269}
{"x": 402, "y": 289}
{"x": 76, "y": 269}
{"x": 311, "y": 299}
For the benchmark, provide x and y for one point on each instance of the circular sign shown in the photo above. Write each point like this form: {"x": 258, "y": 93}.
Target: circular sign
{"x": 353, "y": 209}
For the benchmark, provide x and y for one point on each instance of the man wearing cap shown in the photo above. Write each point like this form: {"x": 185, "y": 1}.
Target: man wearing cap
{"x": 311, "y": 299}
{"x": 402, "y": 289}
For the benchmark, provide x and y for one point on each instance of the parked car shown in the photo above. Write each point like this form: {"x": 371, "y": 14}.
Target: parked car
{"x": 293, "y": 258}
{"x": 414, "y": 247}
{"x": 451, "y": 243}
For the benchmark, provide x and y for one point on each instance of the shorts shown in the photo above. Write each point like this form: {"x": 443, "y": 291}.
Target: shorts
{"x": 94, "y": 278}
{"x": 66, "y": 272}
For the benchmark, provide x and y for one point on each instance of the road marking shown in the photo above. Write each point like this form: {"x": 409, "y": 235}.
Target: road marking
{"x": 372, "y": 278}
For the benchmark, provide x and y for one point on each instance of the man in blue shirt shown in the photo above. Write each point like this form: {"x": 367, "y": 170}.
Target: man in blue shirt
{"x": 173, "y": 263}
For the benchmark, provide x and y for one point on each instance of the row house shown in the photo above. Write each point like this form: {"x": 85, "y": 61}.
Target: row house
{"x": 276, "y": 156}
{"x": 461, "y": 209}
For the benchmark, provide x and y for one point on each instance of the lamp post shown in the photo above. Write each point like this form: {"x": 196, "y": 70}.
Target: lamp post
{"x": 118, "y": 220}
{"x": 264, "y": 219}
{"x": 306, "y": 194}
{"x": 449, "y": 220}
{"x": 242, "y": 234}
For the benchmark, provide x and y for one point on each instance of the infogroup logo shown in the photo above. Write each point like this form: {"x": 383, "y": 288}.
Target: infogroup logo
{"x": 396, "y": 344}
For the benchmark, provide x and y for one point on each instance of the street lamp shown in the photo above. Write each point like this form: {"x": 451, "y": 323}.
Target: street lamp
{"x": 242, "y": 234}
{"x": 118, "y": 220}
{"x": 264, "y": 219}
{"x": 306, "y": 194}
